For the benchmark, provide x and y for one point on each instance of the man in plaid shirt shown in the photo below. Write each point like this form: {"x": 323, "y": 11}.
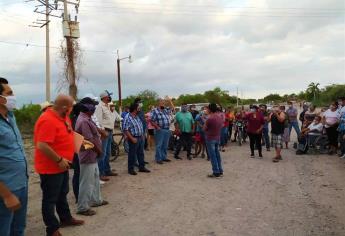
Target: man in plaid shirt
{"x": 133, "y": 129}
{"x": 160, "y": 118}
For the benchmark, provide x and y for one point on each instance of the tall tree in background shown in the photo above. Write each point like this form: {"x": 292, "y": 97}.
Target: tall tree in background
{"x": 313, "y": 89}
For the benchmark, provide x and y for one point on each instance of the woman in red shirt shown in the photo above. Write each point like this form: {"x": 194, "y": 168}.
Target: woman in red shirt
{"x": 255, "y": 125}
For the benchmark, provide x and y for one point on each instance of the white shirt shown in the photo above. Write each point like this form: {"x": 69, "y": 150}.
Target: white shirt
{"x": 331, "y": 117}
{"x": 315, "y": 129}
{"x": 104, "y": 116}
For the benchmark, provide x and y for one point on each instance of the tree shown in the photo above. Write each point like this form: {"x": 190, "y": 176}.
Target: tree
{"x": 313, "y": 89}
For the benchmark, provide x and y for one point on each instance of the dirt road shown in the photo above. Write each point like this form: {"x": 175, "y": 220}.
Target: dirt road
{"x": 301, "y": 195}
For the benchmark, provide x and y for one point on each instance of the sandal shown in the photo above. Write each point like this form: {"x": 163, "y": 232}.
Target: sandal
{"x": 87, "y": 213}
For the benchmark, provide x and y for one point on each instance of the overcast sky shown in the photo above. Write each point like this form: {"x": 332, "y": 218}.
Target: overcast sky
{"x": 182, "y": 46}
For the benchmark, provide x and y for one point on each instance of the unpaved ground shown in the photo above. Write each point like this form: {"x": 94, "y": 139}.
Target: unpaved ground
{"x": 298, "y": 196}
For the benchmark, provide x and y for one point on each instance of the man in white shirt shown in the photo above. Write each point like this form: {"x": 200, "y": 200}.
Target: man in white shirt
{"x": 106, "y": 121}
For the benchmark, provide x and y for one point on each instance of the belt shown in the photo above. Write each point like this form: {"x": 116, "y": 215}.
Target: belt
{"x": 109, "y": 130}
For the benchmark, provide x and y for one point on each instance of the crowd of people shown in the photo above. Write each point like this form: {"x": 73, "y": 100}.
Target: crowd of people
{"x": 79, "y": 135}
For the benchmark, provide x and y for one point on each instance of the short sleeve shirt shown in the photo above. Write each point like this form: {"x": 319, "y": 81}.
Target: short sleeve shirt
{"x": 185, "y": 121}
{"x": 57, "y": 132}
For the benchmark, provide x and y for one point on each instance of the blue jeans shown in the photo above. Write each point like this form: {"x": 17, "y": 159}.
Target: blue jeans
{"x": 213, "y": 153}
{"x": 162, "y": 141}
{"x": 224, "y": 136}
{"x": 136, "y": 152}
{"x": 13, "y": 223}
{"x": 266, "y": 137}
{"x": 342, "y": 142}
{"x": 294, "y": 124}
{"x": 103, "y": 161}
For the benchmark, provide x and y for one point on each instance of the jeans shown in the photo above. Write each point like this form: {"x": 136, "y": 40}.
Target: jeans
{"x": 136, "y": 153}
{"x": 13, "y": 223}
{"x": 266, "y": 137}
{"x": 294, "y": 124}
{"x": 213, "y": 153}
{"x": 255, "y": 140}
{"x": 89, "y": 189}
{"x": 342, "y": 142}
{"x": 186, "y": 140}
{"x": 55, "y": 189}
{"x": 224, "y": 136}
{"x": 103, "y": 161}
{"x": 162, "y": 141}
{"x": 75, "y": 179}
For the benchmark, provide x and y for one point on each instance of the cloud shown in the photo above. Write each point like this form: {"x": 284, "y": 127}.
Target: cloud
{"x": 260, "y": 46}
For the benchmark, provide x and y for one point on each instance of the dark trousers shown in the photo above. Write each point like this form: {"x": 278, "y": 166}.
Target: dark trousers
{"x": 186, "y": 140}
{"x": 136, "y": 152}
{"x": 255, "y": 140}
{"x": 230, "y": 131}
{"x": 332, "y": 135}
{"x": 55, "y": 190}
{"x": 76, "y": 174}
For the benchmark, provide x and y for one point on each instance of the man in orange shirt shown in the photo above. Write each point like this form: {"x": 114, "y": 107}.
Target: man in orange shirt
{"x": 54, "y": 149}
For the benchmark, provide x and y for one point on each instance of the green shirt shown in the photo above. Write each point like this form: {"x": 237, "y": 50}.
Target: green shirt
{"x": 185, "y": 121}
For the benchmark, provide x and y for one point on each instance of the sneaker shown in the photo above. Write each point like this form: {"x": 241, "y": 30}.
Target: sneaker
{"x": 342, "y": 157}
{"x": 101, "y": 182}
{"x": 132, "y": 172}
{"x": 252, "y": 155}
{"x": 144, "y": 170}
{"x": 214, "y": 175}
{"x": 167, "y": 160}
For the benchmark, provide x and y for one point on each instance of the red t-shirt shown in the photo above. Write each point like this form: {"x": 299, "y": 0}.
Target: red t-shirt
{"x": 57, "y": 132}
{"x": 214, "y": 125}
{"x": 254, "y": 123}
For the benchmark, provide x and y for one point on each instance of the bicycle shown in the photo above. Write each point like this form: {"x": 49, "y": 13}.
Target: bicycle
{"x": 115, "y": 147}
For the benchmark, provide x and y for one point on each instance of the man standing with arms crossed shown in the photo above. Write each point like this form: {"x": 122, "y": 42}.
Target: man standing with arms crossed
{"x": 13, "y": 168}
{"x": 106, "y": 121}
{"x": 54, "y": 150}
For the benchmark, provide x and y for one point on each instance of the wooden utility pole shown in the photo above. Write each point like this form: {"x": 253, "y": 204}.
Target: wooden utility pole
{"x": 71, "y": 75}
{"x": 48, "y": 96}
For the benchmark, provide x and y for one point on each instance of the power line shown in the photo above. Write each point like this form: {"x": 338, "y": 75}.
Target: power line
{"x": 53, "y": 47}
{"x": 191, "y": 13}
{"x": 112, "y": 3}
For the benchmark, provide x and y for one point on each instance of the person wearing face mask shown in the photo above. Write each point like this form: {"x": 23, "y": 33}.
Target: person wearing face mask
{"x": 160, "y": 119}
{"x": 193, "y": 111}
{"x": 54, "y": 150}
{"x": 255, "y": 126}
{"x": 293, "y": 122}
{"x": 134, "y": 130}
{"x": 309, "y": 135}
{"x": 13, "y": 168}
{"x": 185, "y": 127}
{"x": 277, "y": 119}
{"x": 106, "y": 121}
{"x": 331, "y": 119}
{"x": 89, "y": 186}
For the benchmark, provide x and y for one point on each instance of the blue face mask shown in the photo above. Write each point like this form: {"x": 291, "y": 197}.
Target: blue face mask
{"x": 184, "y": 108}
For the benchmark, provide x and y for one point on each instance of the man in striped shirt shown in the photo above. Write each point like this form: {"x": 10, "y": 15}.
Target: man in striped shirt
{"x": 160, "y": 119}
{"x": 133, "y": 129}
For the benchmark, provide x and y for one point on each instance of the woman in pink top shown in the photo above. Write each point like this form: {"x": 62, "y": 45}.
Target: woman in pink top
{"x": 150, "y": 129}
{"x": 331, "y": 121}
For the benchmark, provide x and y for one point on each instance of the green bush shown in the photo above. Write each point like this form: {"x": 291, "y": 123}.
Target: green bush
{"x": 26, "y": 117}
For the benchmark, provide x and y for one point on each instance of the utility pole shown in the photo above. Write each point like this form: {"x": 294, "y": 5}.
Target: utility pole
{"x": 71, "y": 31}
{"x": 48, "y": 96}
{"x": 40, "y": 23}
{"x": 119, "y": 82}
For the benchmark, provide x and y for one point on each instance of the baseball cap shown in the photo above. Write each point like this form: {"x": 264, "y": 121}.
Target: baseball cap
{"x": 105, "y": 93}
{"x": 88, "y": 100}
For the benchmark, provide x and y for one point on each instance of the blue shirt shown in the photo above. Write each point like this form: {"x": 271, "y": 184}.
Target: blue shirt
{"x": 141, "y": 115}
{"x": 341, "y": 127}
{"x": 161, "y": 118}
{"x": 13, "y": 166}
{"x": 133, "y": 125}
